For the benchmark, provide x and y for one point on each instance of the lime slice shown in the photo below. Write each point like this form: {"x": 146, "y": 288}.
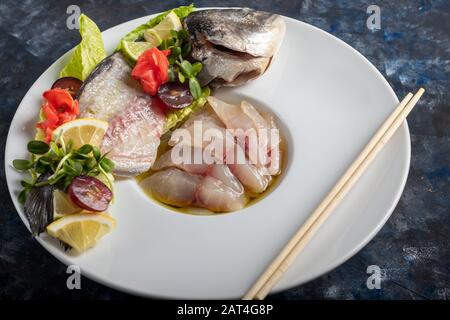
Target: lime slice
{"x": 152, "y": 37}
{"x": 134, "y": 49}
{"x": 162, "y": 31}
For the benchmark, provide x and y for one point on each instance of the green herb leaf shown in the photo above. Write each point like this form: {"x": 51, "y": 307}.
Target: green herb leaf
{"x": 78, "y": 168}
{"x": 56, "y": 178}
{"x": 85, "y": 149}
{"x": 67, "y": 182}
{"x": 37, "y": 147}
{"x": 181, "y": 77}
{"x": 21, "y": 164}
{"x": 186, "y": 68}
{"x": 67, "y": 168}
{"x": 96, "y": 153}
{"x": 183, "y": 35}
{"x": 45, "y": 160}
{"x": 107, "y": 164}
{"x": 22, "y": 196}
{"x": 90, "y": 164}
{"x": 175, "y": 51}
{"x": 40, "y": 167}
{"x": 171, "y": 73}
{"x": 196, "y": 68}
{"x": 186, "y": 49}
{"x": 171, "y": 60}
{"x": 55, "y": 149}
{"x": 26, "y": 184}
{"x": 195, "y": 88}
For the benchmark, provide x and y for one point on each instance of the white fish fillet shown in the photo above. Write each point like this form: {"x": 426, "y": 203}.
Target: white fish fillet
{"x": 183, "y": 189}
{"x": 135, "y": 124}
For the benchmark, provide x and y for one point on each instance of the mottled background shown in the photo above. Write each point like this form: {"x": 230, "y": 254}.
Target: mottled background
{"x": 411, "y": 50}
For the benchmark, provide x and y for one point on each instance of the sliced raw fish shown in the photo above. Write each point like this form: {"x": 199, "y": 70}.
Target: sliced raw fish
{"x": 255, "y": 179}
{"x": 173, "y": 186}
{"x": 132, "y": 139}
{"x": 216, "y": 170}
{"x": 135, "y": 122}
{"x": 274, "y": 165}
{"x": 264, "y": 157}
{"x": 216, "y": 196}
{"x": 231, "y": 115}
{"x": 182, "y": 189}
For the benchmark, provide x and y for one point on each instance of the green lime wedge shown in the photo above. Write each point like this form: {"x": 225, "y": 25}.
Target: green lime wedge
{"x": 152, "y": 36}
{"x": 162, "y": 30}
{"x": 133, "y": 50}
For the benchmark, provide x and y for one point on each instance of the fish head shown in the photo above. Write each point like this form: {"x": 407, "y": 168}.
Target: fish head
{"x": 234, "y": 45}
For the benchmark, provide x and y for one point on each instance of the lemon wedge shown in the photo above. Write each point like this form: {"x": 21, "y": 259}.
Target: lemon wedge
{"x": 82, "y": 131}
{"x": 81, "y": 230}
{"x": 161, "y": 31}
{"x": 63, "y": 205}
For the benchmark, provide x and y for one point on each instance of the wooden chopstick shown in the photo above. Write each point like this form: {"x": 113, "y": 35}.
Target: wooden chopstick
{"x": 280, "y": 264}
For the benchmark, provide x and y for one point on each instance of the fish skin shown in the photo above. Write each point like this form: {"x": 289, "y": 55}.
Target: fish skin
{"x": 234, "y": 45}
{"x": 135, "y": 121}
{"x": 254, "y": 32}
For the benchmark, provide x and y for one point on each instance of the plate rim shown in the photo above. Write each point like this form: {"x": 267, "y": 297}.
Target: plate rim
{"x": 404, "y": 128}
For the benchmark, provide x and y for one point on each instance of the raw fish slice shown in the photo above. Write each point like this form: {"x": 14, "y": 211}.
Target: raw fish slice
{"x": 274, "y": 165}
{"x": 217, "y": 171}
{"x": 246, "y": 121}
{"x": 182, "y": 189}
{"x": 172, "y": 186}
{"x": 214, "y": 195}
{"x": 135, "y": 123}
{"x": 231, "y": 115}
{"x": 198, "y": 126}
{"x": 258, "y": 153}
{"x": 255, "y": 179}
{"x": 175, "y": 158}
{"x": 132, "y": 139}
{"x": 223, "y": 173}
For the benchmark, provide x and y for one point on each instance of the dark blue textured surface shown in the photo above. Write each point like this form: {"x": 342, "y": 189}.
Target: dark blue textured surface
{"x": 412, "y": 49}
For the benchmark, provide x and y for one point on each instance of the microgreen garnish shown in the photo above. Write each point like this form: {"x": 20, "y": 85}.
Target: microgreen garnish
{"x": 180, "y": 68}
{"x": 62, "y": 162}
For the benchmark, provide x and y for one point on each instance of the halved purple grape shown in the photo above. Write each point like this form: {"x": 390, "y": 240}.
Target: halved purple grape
{"x": 89, "y": 193}
{"x": 70, "y": 84}
{"x": 175, "y": 95}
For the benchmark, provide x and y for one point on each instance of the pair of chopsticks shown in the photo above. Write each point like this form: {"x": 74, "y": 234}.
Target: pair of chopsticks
{"x": 281, "y": 263}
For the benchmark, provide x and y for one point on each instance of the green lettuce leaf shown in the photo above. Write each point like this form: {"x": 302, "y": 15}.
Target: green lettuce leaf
{"x": 176, "y": 117}
{"x": 88, "y": 53}
{"x": 182, "y": 12}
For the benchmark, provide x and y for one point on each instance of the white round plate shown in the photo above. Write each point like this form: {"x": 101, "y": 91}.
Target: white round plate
{"x": 329, "y": 100}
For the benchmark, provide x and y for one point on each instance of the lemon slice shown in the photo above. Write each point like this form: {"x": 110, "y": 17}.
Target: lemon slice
{"x": 134, "y": 49}
{"x": 81, "y": 230}
{"x": 82, "y": 131}
{"x": 162, "y": 31}
{"x": 63, "y": 205}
